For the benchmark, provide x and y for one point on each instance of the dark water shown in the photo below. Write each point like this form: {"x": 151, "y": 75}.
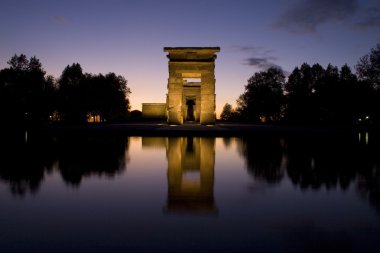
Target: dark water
{"x": 264, "y": 193}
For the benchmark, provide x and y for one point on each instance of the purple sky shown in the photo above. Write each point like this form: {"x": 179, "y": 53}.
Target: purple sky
{"x": 127, "y": 37}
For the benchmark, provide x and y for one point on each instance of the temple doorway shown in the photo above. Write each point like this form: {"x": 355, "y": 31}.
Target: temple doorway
{"x": 190, "y": 110}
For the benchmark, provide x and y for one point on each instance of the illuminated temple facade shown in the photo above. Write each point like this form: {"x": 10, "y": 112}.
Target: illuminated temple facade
{"x": 191, "y": 87}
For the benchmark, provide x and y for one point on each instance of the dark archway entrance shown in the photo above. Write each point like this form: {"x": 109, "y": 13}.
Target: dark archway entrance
{"x": 190, "y": 110}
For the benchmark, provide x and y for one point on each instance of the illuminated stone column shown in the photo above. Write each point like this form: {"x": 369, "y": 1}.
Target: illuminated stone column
{"x": 175, "y": 90}
{"x": 208, "y": 97}
{"x": 198, "y": 107}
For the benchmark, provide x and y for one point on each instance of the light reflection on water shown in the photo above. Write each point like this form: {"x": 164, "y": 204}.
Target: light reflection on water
{"x": 259, "y": 193}
{"x": 363, "y": 137}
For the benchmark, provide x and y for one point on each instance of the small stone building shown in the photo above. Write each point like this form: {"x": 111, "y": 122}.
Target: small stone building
{"x": 154, "y": 110}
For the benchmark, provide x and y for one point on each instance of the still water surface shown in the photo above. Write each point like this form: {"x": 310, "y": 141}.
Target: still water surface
{"x": 262, "y": 193}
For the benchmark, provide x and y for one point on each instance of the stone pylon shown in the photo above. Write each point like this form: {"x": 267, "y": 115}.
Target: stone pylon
{"x": 191, "y": 84}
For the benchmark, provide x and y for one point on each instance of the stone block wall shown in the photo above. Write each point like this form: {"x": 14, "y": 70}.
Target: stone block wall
{"x": 154, "y": 110}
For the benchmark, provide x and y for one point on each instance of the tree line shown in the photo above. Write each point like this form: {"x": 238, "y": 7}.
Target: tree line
{"x": 30, "y": 97}
{"x": 312, "y": 95}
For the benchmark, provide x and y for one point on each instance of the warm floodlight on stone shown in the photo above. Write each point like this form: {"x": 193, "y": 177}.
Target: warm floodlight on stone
{"x": 191, "y": 85}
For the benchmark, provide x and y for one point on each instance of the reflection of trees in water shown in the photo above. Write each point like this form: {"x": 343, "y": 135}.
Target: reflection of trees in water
{"x": 316, "y": 161}
{"x": 369, "y": 186}
{"x": 369, "y": 179}
{"x": 24, "y": 163}
{"x": 263, "y": 156}
{"x": 81, "y": 157}
{"x": 329, "y": 161}
{"x": 227, "y": 142}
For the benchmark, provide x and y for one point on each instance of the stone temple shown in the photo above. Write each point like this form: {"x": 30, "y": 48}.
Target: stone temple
{"x": 191, "y": 87}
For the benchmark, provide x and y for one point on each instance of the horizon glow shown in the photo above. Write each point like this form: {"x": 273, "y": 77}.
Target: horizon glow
{"x": 128, "y": 37}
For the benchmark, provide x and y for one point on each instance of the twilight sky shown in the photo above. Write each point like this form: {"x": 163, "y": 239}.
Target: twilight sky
{"x": 127, "y": 37}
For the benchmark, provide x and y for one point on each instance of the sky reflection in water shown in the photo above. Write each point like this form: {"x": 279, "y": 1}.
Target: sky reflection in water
{"x": 263, "y": 193}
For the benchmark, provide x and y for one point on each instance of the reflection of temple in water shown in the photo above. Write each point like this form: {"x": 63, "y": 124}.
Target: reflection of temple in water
{"x": 191, "y": 162}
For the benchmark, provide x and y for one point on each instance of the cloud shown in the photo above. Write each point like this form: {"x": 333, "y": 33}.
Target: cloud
{"x": 253, "y": 50}
{"x": 304, "y": 16}
{"x": 60, "y": 20}
{"x": 262, "y": 58}
{"x": 262, "y": 63}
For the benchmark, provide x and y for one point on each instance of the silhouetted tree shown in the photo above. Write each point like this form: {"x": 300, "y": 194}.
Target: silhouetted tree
{"x": 357, "y": 97}
{"x": 328, "y": 95}
{"x": 70, "y": 103}
{"x": 106, "y": 96}
{"x": 301, "y": 88}
{"x": 228, "y": 113}
{"x": 263, "y": 97}
{"x": 24, "y": 91}
{"x": 368, "y": 69}
{"x": 51, "y": 89}
{"x": 135, "y": 115}
{"x": 86, "y": 94}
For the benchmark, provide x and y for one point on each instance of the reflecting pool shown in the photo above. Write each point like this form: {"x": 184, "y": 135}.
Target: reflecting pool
{"x": 262, "y": 193}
